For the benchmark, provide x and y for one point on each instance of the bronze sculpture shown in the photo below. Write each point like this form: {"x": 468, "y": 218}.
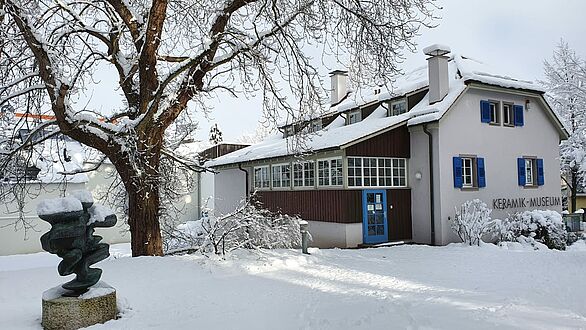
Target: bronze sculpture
{"x": 72, "y": 238}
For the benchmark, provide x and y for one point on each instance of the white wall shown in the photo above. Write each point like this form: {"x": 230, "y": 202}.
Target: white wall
{"x": 420, "y": 193}
{"x": 207, "y": 193}
{"x": 329, "y": 234}
{"x": 230, "y": 190}
{"x": 462, "y": 132}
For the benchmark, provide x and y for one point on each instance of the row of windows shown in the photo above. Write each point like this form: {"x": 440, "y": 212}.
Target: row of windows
{"x": 469, "y": 172}
{"x": 373, "y": 172}
{"x": 361, "y": 172}
{"x": 497, "y": 112}
{"x": 395, "y": 108}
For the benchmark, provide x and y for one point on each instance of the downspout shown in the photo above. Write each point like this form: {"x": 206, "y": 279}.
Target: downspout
{"x": 246, "y": 183}
{"x": 431, "y": 190}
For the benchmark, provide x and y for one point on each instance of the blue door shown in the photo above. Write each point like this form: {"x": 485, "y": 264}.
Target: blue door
{"x": 374, "y": 221}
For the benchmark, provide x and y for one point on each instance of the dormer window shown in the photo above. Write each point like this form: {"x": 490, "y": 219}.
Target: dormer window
{"x": 354, "y": 117}
{"x": 398, "y": 107}
{"x": 315, "y": 126}
{"x": 289, "y": 130}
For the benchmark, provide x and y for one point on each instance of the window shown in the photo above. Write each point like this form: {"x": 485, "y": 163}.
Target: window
{"x": 261, "y": 177}
{"x": 281, "y": 176}
{"x": 508, "y": 115}
{"x": 304, "y": 174}
{"x": 354, "y": 117}
{"x": 329, "y": 172}
{"x": 289, "y": 131}
{"x": 315, "y": 126}
{"x": 398, "y": 107}
{"x": 530, "y": 171}
{"x": 469, "y": 172}
{"x": 494, "y": 112}
{"x": 377, "y": 172}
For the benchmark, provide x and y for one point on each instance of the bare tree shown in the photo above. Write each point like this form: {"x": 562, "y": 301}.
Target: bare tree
{"x": 170, "y": 53}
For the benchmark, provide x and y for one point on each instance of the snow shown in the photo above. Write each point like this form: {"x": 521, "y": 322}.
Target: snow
{"x": 83, "y": 195}
{"x": 461, "y": 70}
{"x": 442, "y": 49}
{"x": 98, "y": 213}
{"x": 97, "y": 290}
{"x": 55, "y": 205}
{"x": 451, "y": 287}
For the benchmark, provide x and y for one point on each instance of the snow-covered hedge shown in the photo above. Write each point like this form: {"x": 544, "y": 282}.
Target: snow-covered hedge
{"x": 472, "y": 221}
{"x": 249, "y": 227}
{"x": 543, "y": 226}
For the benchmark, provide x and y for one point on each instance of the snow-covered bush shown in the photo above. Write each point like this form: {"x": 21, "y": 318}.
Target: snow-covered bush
{"x": 544, "y": 226}
{"x": 472, "y": 221}
{"x": 248, "y": 227}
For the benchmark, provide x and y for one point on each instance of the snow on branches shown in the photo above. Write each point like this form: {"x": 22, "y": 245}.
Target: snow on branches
{"x": 472, "y": 221}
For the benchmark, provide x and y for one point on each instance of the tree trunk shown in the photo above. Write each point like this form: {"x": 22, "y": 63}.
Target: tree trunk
{"x": 573, "y": 190}
{"x": 143, "y": 218}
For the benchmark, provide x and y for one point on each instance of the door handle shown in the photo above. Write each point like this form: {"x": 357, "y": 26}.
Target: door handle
{"x": 390, "y": 207}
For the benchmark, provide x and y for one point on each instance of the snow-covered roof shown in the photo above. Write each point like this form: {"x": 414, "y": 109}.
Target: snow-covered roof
{"x": 461, "y": 70}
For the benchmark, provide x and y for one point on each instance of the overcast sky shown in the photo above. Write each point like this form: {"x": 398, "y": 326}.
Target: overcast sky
{"x": 513, "y": 36}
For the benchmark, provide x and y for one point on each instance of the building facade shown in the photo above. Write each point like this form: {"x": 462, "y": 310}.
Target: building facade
{"x": 393, "y": 166}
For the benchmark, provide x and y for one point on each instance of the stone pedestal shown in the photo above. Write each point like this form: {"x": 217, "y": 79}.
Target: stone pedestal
{"x": 98, "y": 305}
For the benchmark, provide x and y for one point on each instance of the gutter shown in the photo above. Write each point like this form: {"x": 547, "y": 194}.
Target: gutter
{"x": 246, "y": 182}
{"x": 431, "y": 190}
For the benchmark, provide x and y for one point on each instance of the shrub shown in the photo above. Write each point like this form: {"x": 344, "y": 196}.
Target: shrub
{"x": 544, "y": 226}
{"x": 248, "y": 227}
{"x": 472, "y": 221}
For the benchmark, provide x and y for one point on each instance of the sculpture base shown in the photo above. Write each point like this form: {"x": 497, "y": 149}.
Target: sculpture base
{"x": 98, "y": 305}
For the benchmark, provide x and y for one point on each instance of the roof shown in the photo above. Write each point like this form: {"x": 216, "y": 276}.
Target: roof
{"x": 462, "y": 70}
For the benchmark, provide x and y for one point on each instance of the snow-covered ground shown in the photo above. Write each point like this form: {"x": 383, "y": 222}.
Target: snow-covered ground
{"x": 451, "y": 287}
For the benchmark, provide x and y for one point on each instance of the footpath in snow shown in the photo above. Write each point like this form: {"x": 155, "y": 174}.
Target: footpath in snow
{"x": 451, "y": 287}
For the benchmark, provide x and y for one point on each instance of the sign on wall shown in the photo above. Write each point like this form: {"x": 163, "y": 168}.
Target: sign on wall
{"x": 523, "y": 202}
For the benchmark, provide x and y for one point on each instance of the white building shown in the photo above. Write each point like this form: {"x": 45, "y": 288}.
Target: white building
{"x": 394, "y": 165}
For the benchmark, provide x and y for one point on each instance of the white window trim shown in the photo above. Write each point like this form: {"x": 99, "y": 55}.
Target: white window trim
{"x": 302, "y": 187}
{"x": 346, "y": 178}
{"x": 329, "y": 172}
{"x": 397, "y": 102}
{"x": 359, "y": 112}
{"x": 472, "y": 171}
{"x": 497, "y": 111}
{"x": 532, "y": 161}
{"x": 281, "y": 178}
{"x": 269, "y": 174}
{"x": 511, "y": 113}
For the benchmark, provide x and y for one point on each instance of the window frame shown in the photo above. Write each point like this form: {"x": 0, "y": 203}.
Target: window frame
{"x": 303, "y": 172}
{"x": 329, "y": 171}
{"x": 510, "y": 113}
{"x": 268, "y": 175}
{"x": 532, "y": 169}
{"x": 497, "y": 112}
{"x": 473, "y": 172}
{"x": 357, "y": 113}
{"x": 281, "y": 186}
{"x": 374, "y": 173}
{"x": 396, "y": 102}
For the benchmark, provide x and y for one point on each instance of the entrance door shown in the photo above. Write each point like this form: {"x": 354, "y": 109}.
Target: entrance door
{"x": 374, "y": 222}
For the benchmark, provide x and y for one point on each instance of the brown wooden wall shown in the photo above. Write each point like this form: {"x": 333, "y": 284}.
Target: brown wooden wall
{"x": 394, "y": 143}
{"x": 340, "y": 206}
{"x": 400, "y": 226}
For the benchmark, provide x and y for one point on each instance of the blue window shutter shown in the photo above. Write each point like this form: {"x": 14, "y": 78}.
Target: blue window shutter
{"x": 480, "y": 174}
{"x": 540, "y": 178}
{"x": 484, "y": 111}
{"x": 521, "y": 171}
{"x": 518, "y": 113}
{"x": 457, "y": 161}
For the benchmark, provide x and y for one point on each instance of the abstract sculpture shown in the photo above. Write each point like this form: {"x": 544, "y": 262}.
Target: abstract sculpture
{"x": 72, "y": 238}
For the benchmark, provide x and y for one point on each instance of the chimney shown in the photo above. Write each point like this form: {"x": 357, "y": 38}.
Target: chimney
{"x": 437, "y": 71}
{"x": 339, "y": 85}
